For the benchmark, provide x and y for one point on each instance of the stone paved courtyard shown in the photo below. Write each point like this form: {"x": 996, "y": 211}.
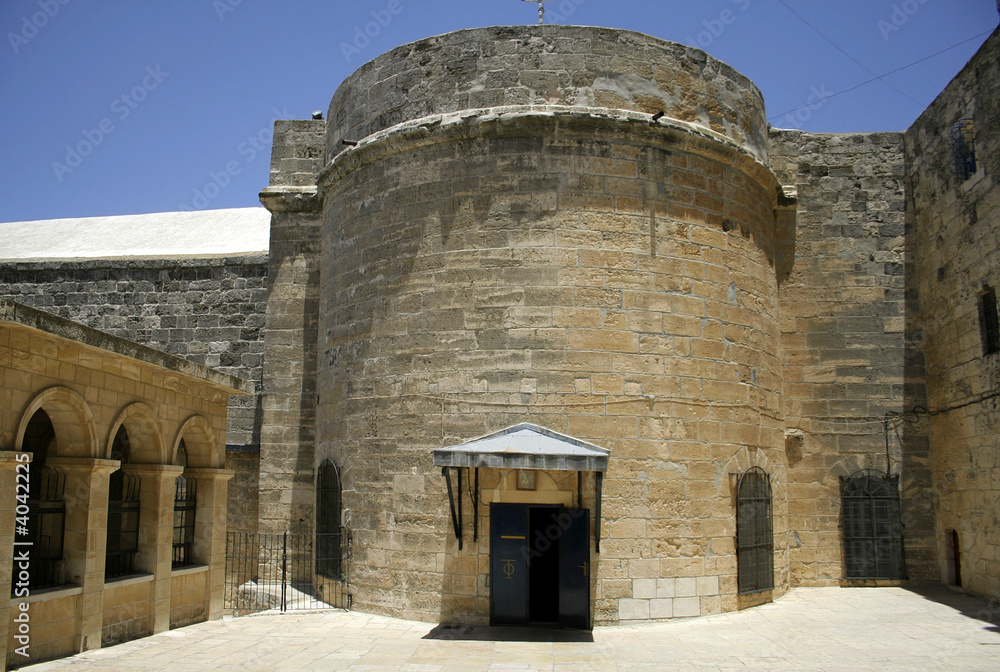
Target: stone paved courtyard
{"x": 829, "y": 629}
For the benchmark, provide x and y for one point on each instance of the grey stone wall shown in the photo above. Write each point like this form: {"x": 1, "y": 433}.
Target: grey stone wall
{"x": 210, "y": 311}
{"x": 288, "y": 446}
{"x": 956, "y": 227}
{"x": 850, "y": 353}
{"x": 550, "y": 65}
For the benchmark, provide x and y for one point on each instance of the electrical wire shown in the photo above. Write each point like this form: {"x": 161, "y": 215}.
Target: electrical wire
{"x": 891, "y": 72}
{"x": 844, "y": 52}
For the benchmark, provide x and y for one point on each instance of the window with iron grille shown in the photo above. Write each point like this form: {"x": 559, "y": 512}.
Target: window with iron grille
{"x": 185, "y": 503}
{"x": 989, "y": 323}
{"x": 754, "y": 534}
{"x": 328, "y": 513}
{"x": 963, "y": 148}
{"x": 872, "y": 528}
{"x": 46, "y": 505}
{"x": 123, "y": 514}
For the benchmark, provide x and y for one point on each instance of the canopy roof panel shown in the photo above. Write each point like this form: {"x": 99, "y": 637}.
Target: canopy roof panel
{"x": 525, "y": 446}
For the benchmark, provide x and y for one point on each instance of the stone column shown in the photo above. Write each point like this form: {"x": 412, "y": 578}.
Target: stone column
{"x": 85, "y": 540}
{"x": 8, "y": 509}
{"x": 210, "y": 533}
{"x": 156, "y": 530}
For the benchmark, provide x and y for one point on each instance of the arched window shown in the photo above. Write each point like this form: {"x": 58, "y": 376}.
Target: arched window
{"x": 754, "y": 535}
{"x": 873, "y": 530}
{"x": 185, "y": 504}
{"x": 328, "y": 513}
{"x": 46, "y": 505}
{"x": 123, "y": 513}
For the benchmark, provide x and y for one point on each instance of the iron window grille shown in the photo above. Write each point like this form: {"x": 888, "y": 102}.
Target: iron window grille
{"x": 328, "y": 514}
{"x": 872, "y": 527}
{"x": 963, "y": 148}
{"x": 46, "y": 505}
{"x": 185, "y": 505}
{"x": 754, "y": 532}
{"x": 123, "y": 525}
{"x": 989, "y": 322}
{"x": 46, "y": 526}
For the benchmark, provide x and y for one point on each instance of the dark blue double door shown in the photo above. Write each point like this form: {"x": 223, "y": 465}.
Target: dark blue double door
{"x": 539, "y": 565}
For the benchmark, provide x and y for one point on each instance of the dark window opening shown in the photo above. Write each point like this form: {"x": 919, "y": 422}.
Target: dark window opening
{"x": 123, "y": 513}
{"x": 185, "y": 505}
{"x": 954, "y": 558}
{"x": 46, "y": 506}
{"x": 989, "y": 324}
{"x": 329, "y": 533}
{"x": 872, "y": 527}
{"x": 754, "y": 533}
{"x": 963, "y": 148}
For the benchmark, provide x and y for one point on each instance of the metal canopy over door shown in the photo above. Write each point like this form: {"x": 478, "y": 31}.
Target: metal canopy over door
{"x": 539, "y": 565}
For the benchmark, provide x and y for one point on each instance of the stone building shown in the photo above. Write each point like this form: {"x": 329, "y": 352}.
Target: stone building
{"x": 559, "y": 294}
{"x": 114, "y": 507}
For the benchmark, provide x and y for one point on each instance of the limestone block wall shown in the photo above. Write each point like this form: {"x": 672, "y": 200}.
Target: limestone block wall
{"x": 287, "y": 460}
{"x": 89, "y": 384}
{"x": 956, "y": 223}
{"x": 187, "y": 597}
{"x": 209, "y": 311}
{"x": 551, "y": 65}
{"x": 851, "y": 351}
{"x": 127, "y": 613}
{"x": 54, "y": 626}
{"x": 588, "y": 270}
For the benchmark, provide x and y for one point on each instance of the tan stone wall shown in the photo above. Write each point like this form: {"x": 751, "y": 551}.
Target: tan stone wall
{"x": 956, "y": 224}
{"x": 580, "y": 66}
{"x": 54, "y": 626}
{"x": 127, "y": 613}
{"x": 187, "y": 598}
{"x": 600, "y": 277}
{"x": 108, "y": 383}
{"x": 286, "y": 461}
{"x": 850, "y": 355}
{"x": 89, "y": 384}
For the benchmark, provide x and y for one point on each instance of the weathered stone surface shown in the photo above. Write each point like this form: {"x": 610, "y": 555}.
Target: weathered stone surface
{"x": 952, "y": 223}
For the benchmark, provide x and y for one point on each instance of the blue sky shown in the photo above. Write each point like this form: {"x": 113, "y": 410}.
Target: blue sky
{"x": 172, "y": 95}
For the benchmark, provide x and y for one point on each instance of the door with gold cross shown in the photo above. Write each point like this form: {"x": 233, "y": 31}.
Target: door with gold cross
{"x": 539, "y": 565}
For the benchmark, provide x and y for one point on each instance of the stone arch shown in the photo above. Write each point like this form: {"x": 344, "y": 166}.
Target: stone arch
{"x": 742, "y": 460}
{"x": 199, "y": 442}
{"x": 144, "y": 433}
{"x": 72, "y": 420}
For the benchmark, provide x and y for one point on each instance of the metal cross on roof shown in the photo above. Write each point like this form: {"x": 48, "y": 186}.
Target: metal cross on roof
{"x": 541, "y": 10}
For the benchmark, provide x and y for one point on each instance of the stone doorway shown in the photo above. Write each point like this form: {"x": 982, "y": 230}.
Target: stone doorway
{"x": 539, "y": 565}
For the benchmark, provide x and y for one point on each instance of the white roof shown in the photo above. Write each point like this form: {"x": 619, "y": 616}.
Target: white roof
{"x": 202, "y": 233}
{"x": 525, "y": 446}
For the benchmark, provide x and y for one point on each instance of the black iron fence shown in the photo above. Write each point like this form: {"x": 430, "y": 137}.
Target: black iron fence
{"x": 287, "y": 572}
